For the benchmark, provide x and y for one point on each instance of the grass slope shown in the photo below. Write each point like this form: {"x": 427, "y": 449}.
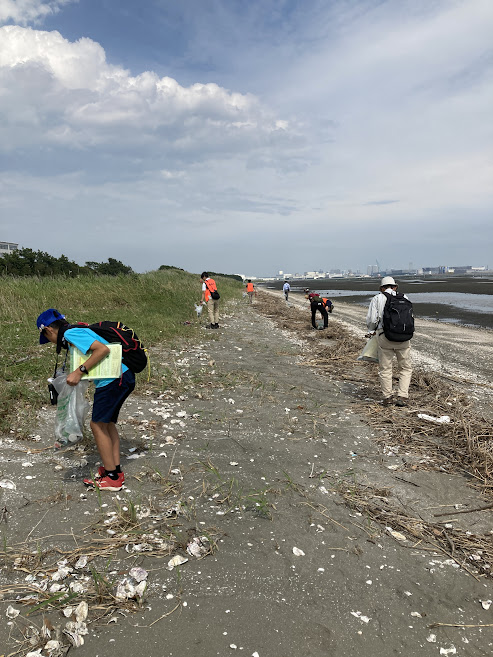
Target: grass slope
{"x": 155, "y": 305}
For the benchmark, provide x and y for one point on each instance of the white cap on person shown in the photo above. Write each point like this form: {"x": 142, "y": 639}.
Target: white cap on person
{"x": 387, "y": 280}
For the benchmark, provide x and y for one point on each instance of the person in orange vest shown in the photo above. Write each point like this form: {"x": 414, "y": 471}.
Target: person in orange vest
{"x": 210, "y": 297}
{"x": 250, "y": 288}
{"x": 322, "y": 305}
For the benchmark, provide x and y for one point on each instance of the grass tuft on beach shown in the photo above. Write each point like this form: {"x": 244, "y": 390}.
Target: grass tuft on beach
{"x": 156, "y": 305}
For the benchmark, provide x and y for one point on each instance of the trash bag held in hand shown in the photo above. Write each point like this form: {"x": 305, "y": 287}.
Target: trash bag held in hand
{"x": 370, "y": 351}
{"x": 71, "y": 411}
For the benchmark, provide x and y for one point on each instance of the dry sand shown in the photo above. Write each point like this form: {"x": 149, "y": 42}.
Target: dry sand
{"x": 263, "y": 461}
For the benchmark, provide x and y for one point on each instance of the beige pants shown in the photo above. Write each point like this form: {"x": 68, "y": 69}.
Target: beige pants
{"x": 213, "y": 310}
{"x": 250, "y": 297}
{"x": 386, "y": 351}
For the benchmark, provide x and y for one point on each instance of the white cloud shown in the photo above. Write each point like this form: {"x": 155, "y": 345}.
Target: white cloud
{"x": 59, "y": 93}
{"x": 24, "y": 12}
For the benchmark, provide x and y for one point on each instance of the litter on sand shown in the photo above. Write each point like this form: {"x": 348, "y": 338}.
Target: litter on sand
{"x": 443, "y": 419}
{"x": 358, "y": 614}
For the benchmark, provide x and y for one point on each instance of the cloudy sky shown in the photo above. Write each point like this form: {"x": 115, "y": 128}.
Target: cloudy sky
{"x": 248, "y": 137}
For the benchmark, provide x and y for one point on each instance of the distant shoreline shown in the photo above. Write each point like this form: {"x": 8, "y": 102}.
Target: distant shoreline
{"x": 439, "y": 308}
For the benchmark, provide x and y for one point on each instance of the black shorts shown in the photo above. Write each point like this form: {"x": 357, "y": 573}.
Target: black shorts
{"x": 109, "y": 399}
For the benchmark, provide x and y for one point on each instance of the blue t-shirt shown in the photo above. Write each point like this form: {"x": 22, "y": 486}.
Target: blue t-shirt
{"x": 82, "y": 338}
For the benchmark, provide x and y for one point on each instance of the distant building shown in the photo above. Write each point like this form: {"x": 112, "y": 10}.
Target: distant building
{"x": 7, "y": 247}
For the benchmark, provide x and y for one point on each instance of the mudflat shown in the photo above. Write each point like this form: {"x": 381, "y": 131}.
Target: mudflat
{"x": 308, "y": 527}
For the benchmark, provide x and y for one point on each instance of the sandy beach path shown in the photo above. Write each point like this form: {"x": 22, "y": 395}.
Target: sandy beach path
{"x": 264, "y": 455}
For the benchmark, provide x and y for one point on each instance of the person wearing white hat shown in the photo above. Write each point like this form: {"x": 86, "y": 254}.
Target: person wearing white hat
{"x": 387, "y": 349}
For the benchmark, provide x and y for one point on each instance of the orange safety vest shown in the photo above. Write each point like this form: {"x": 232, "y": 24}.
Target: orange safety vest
{"x": 210, "y": 286}
{"x": 249, "y": 287}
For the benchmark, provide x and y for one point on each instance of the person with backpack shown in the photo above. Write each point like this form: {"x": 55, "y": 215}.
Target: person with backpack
{"x": 321, "y": 304}
{"x": 110, "y": 393}
{"x": 390, "y": 316}
{"x": 210, "y": 297}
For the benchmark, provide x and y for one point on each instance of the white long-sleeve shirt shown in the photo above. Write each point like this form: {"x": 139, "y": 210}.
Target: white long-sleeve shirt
{"x": 374, "y": 317}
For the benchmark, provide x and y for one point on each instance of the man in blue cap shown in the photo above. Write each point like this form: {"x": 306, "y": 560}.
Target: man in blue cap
{"x": 108, "y": 398}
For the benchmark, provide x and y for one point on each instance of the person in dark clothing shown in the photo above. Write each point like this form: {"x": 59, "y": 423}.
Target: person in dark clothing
{"x": 322, "y": 305}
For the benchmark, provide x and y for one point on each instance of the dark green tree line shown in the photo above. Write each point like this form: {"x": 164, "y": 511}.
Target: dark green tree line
{"x": 26, "y": 262}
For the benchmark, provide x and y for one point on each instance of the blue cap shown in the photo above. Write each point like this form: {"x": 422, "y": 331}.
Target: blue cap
{"x": 45, "y": 319}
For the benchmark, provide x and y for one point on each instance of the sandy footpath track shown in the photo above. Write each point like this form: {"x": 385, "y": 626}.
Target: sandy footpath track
{"x": 255, "y": 450}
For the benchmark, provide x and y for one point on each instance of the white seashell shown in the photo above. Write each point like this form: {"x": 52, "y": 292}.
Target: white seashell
{"x": 140, "y": 589}
{"x": 297, "y": 552}
{"x": 68, "y": 611}
{"x": 76, "y": 587}
{"x": 122, "y": 590}
{"x": 397, "y": 535}
{"x": 61, "y": 573}
{"x": 52, "y": 645}
{"x": 81, "y": 561}
{"x": 11, "y": 612}
{"x": 139, "y": 574}
{"x": 77, "y": 626}
{"x": 198, "y": 547}
{"x": 35, "y": 653}
{"x": 27, "y": 464}
{"x": 75, "y": 639}
{"x": 448, "y": 651}
{"x": 81, "y": 611}
{"x": 486, "y": 604}
{"x": 177, "y": 560}
{"x": 432, "y": 638}
{"x": 233, "y": 463}
{"x": 7, "y": 483}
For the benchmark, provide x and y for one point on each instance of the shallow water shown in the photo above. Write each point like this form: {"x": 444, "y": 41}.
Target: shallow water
{"x": 465, "y": 301}
{"x": 478, "y": 303}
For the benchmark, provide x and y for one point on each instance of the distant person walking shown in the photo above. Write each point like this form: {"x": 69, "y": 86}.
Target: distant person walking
{"x": 210, "y": 297}
{"x": 323, "y": 305}
{"x": 390, "y": 316}
{"x": 250, "y": 290}
{"x": 286, "y": 288}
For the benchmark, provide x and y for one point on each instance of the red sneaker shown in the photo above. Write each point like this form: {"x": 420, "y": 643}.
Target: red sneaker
{"x": 101, "y": 472}
{"x": 106, "y": 483}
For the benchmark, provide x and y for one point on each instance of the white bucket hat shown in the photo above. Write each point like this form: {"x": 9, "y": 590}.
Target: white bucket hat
{"x": 387, "y": 280}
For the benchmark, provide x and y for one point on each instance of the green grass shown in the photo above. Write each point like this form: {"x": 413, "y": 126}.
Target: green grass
{"x": 155, "y": 305}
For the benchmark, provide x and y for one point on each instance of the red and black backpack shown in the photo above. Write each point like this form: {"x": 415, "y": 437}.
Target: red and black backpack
{"x": 134, "y": 354}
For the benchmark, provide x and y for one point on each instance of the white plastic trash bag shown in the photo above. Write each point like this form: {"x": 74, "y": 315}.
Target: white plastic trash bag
{"x": 198, "y": 309}
{"x": 71, "y": 410}
{"x": 370, "y": 351}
